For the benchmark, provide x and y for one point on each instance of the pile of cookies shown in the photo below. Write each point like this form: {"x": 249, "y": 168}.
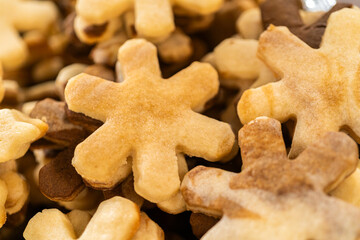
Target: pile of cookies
{"x": 179, "y": 119}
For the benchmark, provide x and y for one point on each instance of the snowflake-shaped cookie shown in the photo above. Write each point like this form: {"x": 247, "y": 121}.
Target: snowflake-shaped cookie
{"x": 148, "y": 118}
{"x": 274, "y": 197}
{"x": 319, "y": 87}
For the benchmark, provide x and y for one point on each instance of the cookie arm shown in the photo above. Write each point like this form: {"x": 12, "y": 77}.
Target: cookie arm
{"x": 203, "y": 7}
{"x": 13, "y": 50}
{"x": 206, "y": 190}
{"x": 278, "y": 48}
{"x": 91, "y": 95}
{"x": 116, "y": 218}
{"x": 330, "y": 160}
{"x": 205, "y": 137}
{"x": 49, "y": 224}
{"x": 194, "y": 85}
{"x": 154, "y": 18}
{"x": 155, "y": 170}
{"x": 31, "y": 15}
{"x": 138, "y": 56}
{"x": 102, "y": 159}
{"x": 308, "y": 130}
{"x": 273, "y": 100}
{"x": 104, "y": 10}
{"x": 343, "y": 27}
{"x": 261, "y": 139}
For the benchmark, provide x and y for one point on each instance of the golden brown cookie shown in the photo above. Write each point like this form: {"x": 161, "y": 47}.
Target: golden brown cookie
{"x": 148, "y": 118}
{"x": 318, "y": 87}
{"x": 274, "y": 197}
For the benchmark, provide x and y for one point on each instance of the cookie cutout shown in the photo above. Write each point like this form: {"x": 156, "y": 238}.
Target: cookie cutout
{"x": 17, "y": 15}
{"x": 148, "y": 118}
{"x": 318, "y": 86}
{"x": 17, "y": 132}
{"x": 154, "y": 18}
{"x": 287, "y": 13}
{"x": 116, "y": 218}
{"x": 272, "y": 192}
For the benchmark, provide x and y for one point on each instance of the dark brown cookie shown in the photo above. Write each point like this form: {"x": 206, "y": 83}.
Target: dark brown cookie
{"x": 86, "y": 122}
{"x": 201, "y": 223}
{"x": 58, "y": 180}
{"x": 61, "y": 131}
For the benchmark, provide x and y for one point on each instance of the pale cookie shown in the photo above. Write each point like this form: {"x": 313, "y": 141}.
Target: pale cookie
{"x": 318, "y": 86}
{"x": 274, "y": 197}
{"x": 148, "y": 118}
{"x": 176, "y": 48}
{"x": 249, "y": 24}
{"x": 348, "y": 190}
{"x": 2, "y": 88}
{"x": 3, "y": 196}
{"x": 116, "y": 218}
{"x": 239, "y": 68}
{"x": 154, "y": 18}
{"x": 17, "y": 132}
{"x": 174, "y": 205}
{"x": 14, "y": 190}
{"x": 17, "y": 15}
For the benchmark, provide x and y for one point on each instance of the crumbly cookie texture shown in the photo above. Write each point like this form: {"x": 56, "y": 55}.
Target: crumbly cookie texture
{"x": 319, "y": 87}
{"x": 149, "y": 118}
{"x": 285, "y": 199}
{"x": 116, "y": 218}
{"x": 17, "y": 15}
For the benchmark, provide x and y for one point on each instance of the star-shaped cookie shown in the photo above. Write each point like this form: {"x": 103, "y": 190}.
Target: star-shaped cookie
{"x": 319, "y": 87}
{"x": 149, "y": 118}
{"x": 274, "y": 197}
{"x": 17, "y": 15}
